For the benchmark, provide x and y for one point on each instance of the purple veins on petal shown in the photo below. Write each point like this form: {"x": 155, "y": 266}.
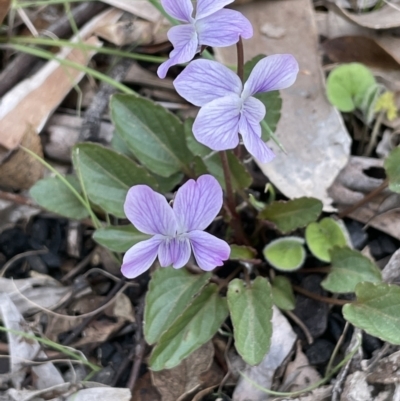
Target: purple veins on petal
{"x": 182, "y": 10}
{"x": 140, "y": 257}
{"x": 211, "y": 24}
{"x": 196, "y": 205}
{"x": 208, "y": 250}
{"x": 203, "y": 81}
{"x": 229, "y": 110}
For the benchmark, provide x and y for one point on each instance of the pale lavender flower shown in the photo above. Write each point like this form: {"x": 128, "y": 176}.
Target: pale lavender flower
{"x": 211, "y": 25}
{"x": 229, "y": 108}
{"x": 176, "y": 231}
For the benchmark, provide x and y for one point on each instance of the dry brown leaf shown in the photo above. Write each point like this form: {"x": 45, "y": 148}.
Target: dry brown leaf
{"x": 351, "y": 186}
{"x": 386, "y": 371}
{"x": 20, "y": 170}
{"x": 391, "y": 272}
{"x": 141, "y": 8}
{"x": 384, "y": 18}
{"x": 176, "y": 383}
{"x": 299, "y": 374}
{"x": 23, "y": 349}
{"x": 32, "y": 101}
{"x": 362, "y": 49}
{"x": 310, "y": 129}
{"x": 4, "y": 8}
{"x": 144, "y": 389}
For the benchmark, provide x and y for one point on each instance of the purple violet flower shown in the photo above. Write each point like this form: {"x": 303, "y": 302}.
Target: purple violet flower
{"x": 212, "y": 25}
{"x": 176, "y": 231}
{"x": 229, "y": 108}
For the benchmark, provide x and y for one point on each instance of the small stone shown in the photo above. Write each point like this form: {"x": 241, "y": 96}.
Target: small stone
{"x": 319, "y": 352}
{"x": 359, "y": 237}
{"x": 273, "y": 31}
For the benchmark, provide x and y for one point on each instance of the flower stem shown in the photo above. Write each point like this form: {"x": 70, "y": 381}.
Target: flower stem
{"x": 228, "y": 183}
{"x": 240, "y": 59}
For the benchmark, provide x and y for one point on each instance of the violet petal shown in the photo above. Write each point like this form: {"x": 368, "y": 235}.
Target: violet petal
{"x": 174, "y": 251}
{"x": 217, "y": 124}
{"x": 208, "y": 250}
{"x": 182, "y": 10}
{"x": 140, "y": 257}
{"x": 149, "y": 211}
{"x": 197, "y": 203}
{"x": 185, "y": 42}
{"x": 275, "y": 72}
{"x": 203, "y": 81}
{"x": 205, "y": 8}
{"x": 223, "y": 28}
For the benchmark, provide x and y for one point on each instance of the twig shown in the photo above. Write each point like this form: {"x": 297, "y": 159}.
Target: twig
{"x": 299, "y": 323}
{"x": 78, "y": 329}
{"x": 320, "y": 298}
{"x": 139, "y": 349}
{"x": 18, "y": 199}
{"x": 79, "y": 267}
{"x": 312, "y": 270}
{"x": 21, "y": 256}
{"x": 367, "y": 198}
{"x": 90, "y": 129}
{"x": 336, "y": 349}
{"x": 19, "y": 67}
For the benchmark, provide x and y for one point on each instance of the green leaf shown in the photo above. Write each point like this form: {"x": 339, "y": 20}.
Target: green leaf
{"x": 52, "y": 194}
{"x": 377, "y": 311}
{"x": 392, "y": 167}
{"x": 209, "y": 161}
{"x": 286, "y": 254}
{"x": 241, "y": 252}
{"x": 197, "y": 325}
{"x": 282, "y": 293}
{"x": 107, "y": 176}
{"x": 348, "y": 85}
{"x": 349, "y": 267}
{"x": 167, "y": 184}
{"x": 296, "y": 213}
{"x": 323, "y": 236}
{"x": 119, "y": 238}
{"x": 153, "y": 134}
{"x": 271, "y": 100}
{"x": 170, "y": 292}
{"x": 251, "y": 314}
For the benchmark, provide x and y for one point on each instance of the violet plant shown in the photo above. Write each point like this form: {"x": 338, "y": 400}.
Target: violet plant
{"x": 197, "y": 279}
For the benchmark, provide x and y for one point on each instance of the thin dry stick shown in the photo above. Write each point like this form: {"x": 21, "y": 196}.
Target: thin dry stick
{"x": 139, "y": 349}
{"x": 299, "y": 323}
{"x": 110, "y": 297}
{"x": 18, "y": 199}
{"x": 320, "y": 298}
{"x": 21, "y": 256}
{"x": 367, "y": 198}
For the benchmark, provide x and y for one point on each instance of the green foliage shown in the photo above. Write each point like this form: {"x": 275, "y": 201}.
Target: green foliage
{"x": 52, "y": 194}
{"x": 282, "y": 293}
{"x": 170, "y": 292}
{"x": 296, "y": 213}
{"x": 240, "y": 252}
{"x": 107, "y": 176}
{"x": 349, "y": 267}
{"x": 193, "y": 328}
{"x": 349, "y": 86}
{"x": 251, "y": 313}
{"x": 392, "y": 167}
{"x": 154, "y": 135}
{"x": 209, "y": 161}
{"x": 285, "y": 254}
{"x": 376, "y": 311}
{"x": 271, "y": 100}
{"x": 323, "y": 236}
{"x": 119, "y": 238}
